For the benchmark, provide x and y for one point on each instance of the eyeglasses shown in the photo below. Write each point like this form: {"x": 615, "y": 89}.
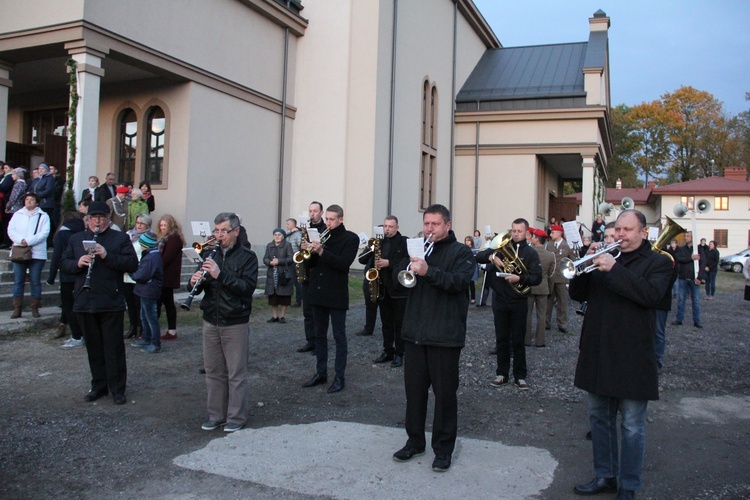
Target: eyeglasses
{"x": 222, "y": 232}
{"x": 141, "y": 223}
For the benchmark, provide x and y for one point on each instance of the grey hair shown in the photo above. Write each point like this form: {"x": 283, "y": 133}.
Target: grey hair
{"x": 20, "y": 173}
{"x": 234, "y": 221}
{"x": 145, "y": 218}
{"x": 136, "y": 193}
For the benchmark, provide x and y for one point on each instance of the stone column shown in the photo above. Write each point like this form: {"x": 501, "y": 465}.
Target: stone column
{"x": 588, "y": 190}
{"x": 5, "y": 84}
{"x": 89, "y": 60}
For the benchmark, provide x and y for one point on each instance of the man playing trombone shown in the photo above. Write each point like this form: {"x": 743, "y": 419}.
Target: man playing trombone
{"x": 228, "y": 280}
{"x": 434, "y": 332}
{"x": 616, "y": 362}
{"x": 328, "y": 295}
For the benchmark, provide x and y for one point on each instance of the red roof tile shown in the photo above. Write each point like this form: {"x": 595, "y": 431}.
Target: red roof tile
{"x": 708, "y": 185}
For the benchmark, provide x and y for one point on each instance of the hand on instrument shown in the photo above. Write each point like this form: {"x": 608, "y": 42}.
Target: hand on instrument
{"x": 316, "y": 247}
{"x": 418, "y": 266}
{"x": 605, "y": 262}
{"x": 513, "y": 278}
{"x": 197, "y": 275}
{"x": 498, "y": 262}
{"x": 211, "y": 267}
{"x": 85, "y": 260}
{"x": 381, "y": 263}
{"x": 100, "y": 251}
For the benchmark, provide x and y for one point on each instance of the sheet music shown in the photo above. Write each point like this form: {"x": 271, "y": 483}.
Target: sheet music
{"x": 192, "y": 254}
{"x": 303, "y": 220}
{"x": 415, "y": 247}
{"x": 572, "y": 236}
{"x": 378, "y": 232}
{"x": 201, "y": 228}
{"x": 363, "y": 238}
{"x": 653, "y": 233}
{"x": 313, "y": 235}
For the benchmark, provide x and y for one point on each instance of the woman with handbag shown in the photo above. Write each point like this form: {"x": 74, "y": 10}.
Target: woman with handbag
{"x": 28, "y": 230}
{"x": 279, "y": 283}
{"x": 171, "y": 242}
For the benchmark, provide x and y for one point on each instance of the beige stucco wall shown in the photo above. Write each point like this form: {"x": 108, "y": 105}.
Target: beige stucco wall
{"x": 18, "y": 15}
{"x": 506, "y": 190}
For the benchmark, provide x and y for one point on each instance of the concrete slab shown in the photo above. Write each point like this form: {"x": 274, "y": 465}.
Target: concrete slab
{"x": 351, "y": 460}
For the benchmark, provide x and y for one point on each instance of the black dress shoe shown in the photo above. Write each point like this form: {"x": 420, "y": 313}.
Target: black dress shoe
{"x": 94, "y": 395}
{"x": 307, "y": 347}
{"x": 563, "y": 330}
{"x": 337, "y": 385}
{"x": 120, "y": 399}
{"x": 441, "y": 463}
{"x": 697, "y": 325}
{"x": 602, "y": 485}
{"x": 676, "y": 323}
{"x": 363, "y": 333}
{"x": 316, "y": 380}
{"x": 625, "y": 494}
{"x": 273, "y": 320}
{"x": 398, "y": 360}
{"x": 407, "y": 453}
{"x": 384, "y": 357}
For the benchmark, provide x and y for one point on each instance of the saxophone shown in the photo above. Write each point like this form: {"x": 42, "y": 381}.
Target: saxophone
{"x": 373, "y": 274}
{"x": 300, "y": 257}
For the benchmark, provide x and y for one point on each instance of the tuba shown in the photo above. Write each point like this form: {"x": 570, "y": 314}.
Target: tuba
{"x": 373, "y": 274}
{"x": 502, "y": 243}
{"x": 670, "y": 231}
{"x": 300, "y": 257}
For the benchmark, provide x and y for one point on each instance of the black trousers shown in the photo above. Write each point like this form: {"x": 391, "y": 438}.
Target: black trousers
{"x": 167, "y": 299}
{"x": 371, "y": 309}
{"x": 338, "y": 326}
{"x": 510, "y": 333}
{"x": 67, "y": 316}
{"x": 392, "y": 316}
{"x": 426, "y": 366}
{"x": 102, "y": 332}
{"x": 307, "y": 312}
{"x": 134, "y": 306}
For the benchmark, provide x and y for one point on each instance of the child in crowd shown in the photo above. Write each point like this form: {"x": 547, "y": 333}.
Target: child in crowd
{"x": 148, "y": 279}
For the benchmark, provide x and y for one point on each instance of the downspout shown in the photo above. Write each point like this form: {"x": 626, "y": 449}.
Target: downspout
{"x": 282, "y": 131}
{"x": 476, "y": 175}
{"x": 393, "y": 107}
{"x": 453, "y": 104}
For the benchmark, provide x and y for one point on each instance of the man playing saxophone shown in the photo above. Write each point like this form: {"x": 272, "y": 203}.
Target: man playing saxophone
{"x": 315, "y": 211}
{"x": 510, "y": 303}
{"x": 393, "y": 301}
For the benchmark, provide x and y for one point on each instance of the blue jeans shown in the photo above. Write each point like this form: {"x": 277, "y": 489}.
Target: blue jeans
{"x": 711, "y": 283}
{"x": 689, "y": 287}
{"x": 608, "y": 461}
{"x": 661, "y": 335}
{"x": 35, "y": 273}
{"x": 150, "y": 321}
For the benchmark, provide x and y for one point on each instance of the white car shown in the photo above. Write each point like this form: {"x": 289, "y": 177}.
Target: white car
{"x": 735, "y": 262}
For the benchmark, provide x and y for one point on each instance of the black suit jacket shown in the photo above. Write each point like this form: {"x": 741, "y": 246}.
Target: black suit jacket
{"x": 328, "y": 274}
{"x": 103, "y": 193}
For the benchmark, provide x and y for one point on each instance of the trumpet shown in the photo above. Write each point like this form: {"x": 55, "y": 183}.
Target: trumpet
{"x": 573, "y": 268}
{"x": 407, "y": 278}
{"x": 202, "y": 245}
{"x": 324, "y": 236}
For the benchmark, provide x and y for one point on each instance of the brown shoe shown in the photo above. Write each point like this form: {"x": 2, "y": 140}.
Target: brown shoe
{"x": 17, "y": 307}
{"x": 169, "y": 336}
{"x": 60, "y": 332}
{"x": 35, "y": 305}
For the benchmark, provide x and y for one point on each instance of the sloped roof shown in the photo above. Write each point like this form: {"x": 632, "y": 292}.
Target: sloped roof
{"x": 615, "y": 196}
{"x": 540, "y": 71}
{"x": 707, "y": 185}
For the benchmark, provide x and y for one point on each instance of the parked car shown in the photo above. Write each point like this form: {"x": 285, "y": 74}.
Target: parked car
{"x": 735, "y": 262}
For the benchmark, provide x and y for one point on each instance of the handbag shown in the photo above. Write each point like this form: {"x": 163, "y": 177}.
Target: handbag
{"x": 285, "y": 276}
{"x": 22, "y": 253}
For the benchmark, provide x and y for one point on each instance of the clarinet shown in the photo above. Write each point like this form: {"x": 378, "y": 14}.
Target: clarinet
{"x": 87, "y": 283}
{"x": 189, "y": 300}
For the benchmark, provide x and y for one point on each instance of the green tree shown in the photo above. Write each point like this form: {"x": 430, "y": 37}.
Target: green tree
{"x": 651, "y": 129}
{"x": 624, "y": 146}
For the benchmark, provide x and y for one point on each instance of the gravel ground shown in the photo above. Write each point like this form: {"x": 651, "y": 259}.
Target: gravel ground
{"x": 56, "y": 446}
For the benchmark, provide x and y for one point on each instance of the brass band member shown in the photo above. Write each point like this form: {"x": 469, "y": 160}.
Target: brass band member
{"x": 315, "y": 212}
{"x": 393, "y": 303}
{"x": 328, "y": 295}
{"x": 434, "y": 333}
{"x": 509, "y": 307}
{"x": 228, "y": 280}
{"x": 538, "y": 296}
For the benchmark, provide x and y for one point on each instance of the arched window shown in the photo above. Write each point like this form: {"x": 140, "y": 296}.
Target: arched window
{"x": 127, "y": 146}
{"x": 155, "y": 143}
{"x": 428, "y": 166}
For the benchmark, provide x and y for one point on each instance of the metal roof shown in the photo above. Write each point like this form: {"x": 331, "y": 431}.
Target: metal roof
{"x": 533, "y": 72}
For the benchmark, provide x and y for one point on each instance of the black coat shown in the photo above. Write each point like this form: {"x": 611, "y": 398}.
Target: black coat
{"x": 684, "y": 258}
{"x": 394, "y": 250}
{"x": 102, "y": 193}
{"x": 500, "y": 285}
{"x": 106, "y": 292}
{"x": 228, "y": 299}
{"x": 62, "y": 237}
{"x": 328, "y": 274}
{"x": 616, "y": 352}
{"x": 437, "y": 306}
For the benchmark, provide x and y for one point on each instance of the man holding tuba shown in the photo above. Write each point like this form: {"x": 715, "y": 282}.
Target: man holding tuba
{"x": 393, "y": 301}
{"x": 510, "y": 301}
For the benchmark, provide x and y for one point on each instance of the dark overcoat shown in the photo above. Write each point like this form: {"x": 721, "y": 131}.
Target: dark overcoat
{"x": 170, "y": 248}
{"x": 284, "y": 253}
{"x": 328, "y": 274}
{"x": 616, "y": 353}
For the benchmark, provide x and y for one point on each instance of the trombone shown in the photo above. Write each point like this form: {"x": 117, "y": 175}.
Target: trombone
{"x": 407, "y": 278}
{"x": 202, "y": 245}
{"x": 573, "y": 268}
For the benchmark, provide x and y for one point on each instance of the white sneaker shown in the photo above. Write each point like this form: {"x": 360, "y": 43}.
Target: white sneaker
{"x": 499, "y": 381}
{"x": 72, "y": 343}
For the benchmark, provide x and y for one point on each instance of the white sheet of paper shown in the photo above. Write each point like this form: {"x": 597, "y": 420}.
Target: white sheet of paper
{"x": 415, "y": 247}
{"x": 201, "y": 228}
{"x": 487, "y": 230}
{"x": 378, "y": 232}
{"x": 89, "y": 245}
{"x": 192, "y": 254}
{"x": 653, "y": 233}
{"x": 303, "y": 220}
{"x": 363, "y": 238}
{"x": 572, "y": 236}
{"x": 313, "y": 235}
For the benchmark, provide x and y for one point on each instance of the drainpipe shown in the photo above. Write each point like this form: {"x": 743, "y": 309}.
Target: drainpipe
{"x": 393, "y": 112}
{"x": 453, "y": 104}
{"x": 282, "y": 131}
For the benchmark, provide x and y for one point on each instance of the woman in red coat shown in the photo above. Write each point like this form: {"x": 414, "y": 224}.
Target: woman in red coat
{"x": 171, "y": 242}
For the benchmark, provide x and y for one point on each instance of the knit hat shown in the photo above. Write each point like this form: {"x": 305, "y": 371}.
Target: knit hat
{"x": 147, "y": 240}
{"x": 279, "y": 230}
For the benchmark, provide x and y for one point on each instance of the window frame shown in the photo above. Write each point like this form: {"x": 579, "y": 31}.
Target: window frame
{"x": 428, "y": 146}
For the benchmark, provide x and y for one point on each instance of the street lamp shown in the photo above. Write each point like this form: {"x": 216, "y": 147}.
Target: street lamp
{"x": 680, "y": 210}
